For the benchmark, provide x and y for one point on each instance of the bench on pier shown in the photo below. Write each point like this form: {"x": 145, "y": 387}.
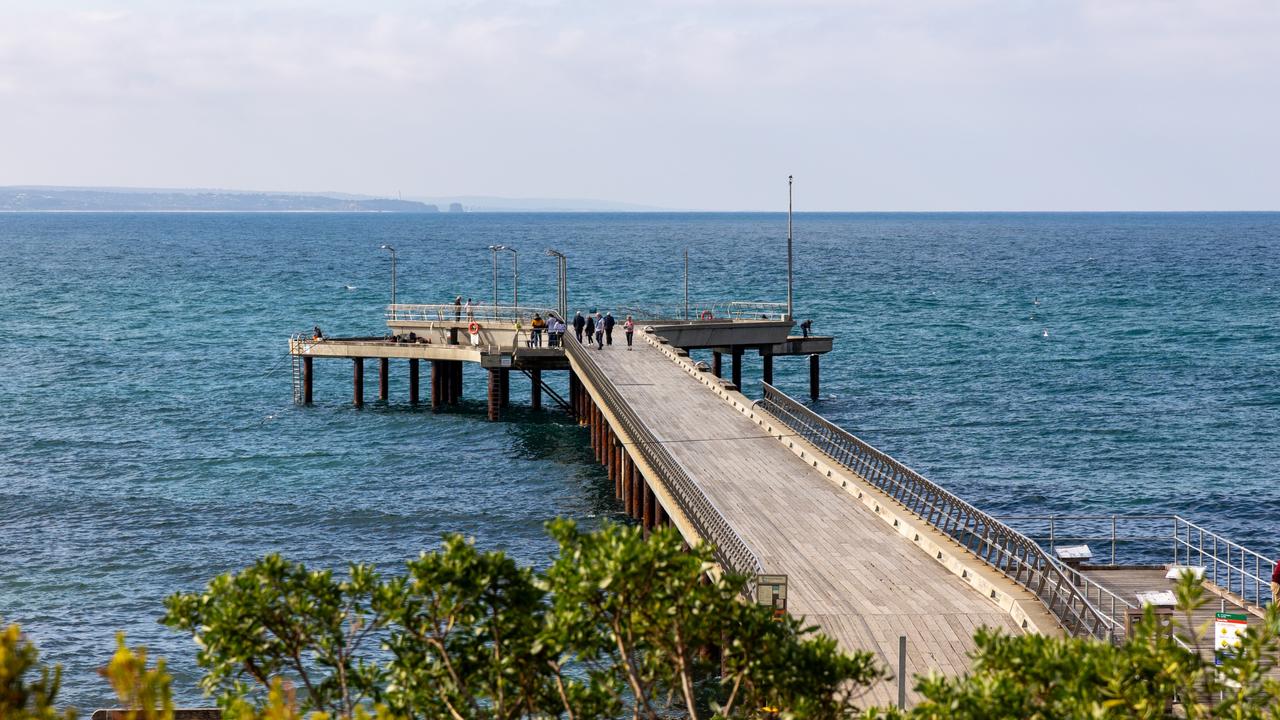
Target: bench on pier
{"x": 1074, "y": 556}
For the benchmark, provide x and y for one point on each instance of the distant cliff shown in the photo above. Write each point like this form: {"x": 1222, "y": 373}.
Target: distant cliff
{"x": 57, "y": 199}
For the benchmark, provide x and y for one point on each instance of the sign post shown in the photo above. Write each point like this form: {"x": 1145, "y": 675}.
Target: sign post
{"x": 771, "y": 590}
{"x": 1227, "y": 628}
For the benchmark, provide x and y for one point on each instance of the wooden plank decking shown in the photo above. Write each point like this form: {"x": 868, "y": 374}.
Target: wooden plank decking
{"x": 849, "y": 572}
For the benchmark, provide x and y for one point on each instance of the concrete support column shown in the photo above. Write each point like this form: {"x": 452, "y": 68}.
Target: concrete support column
{"x": 660, "y": 518}
{"x": 767, "y": 370}
{"x": 413, "y": 381}
{"x": 306, "y": 379}
{"x": 437, "y": 385}
{"x": 628, "y": 494}
{"x": 506, "y": 385}
{"x": 637, "y": 496}
{"x": 457, "y": 383}
{"x": 495, "y": 407}
{"x": 649, "y": 502}
{"x": 535, "y": 389}
{"x": 737, "y": 367}
{"x": 717, "y": 365}
{"x": 813, "y": 377}
{"x": 383, "y": 373}
{"x": 357, "y": 381}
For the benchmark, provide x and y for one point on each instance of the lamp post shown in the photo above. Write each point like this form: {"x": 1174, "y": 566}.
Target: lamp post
{"x": 494, "y": 249}
{"x": 686, "y": 284}
{"x": 385, "y": 246}
{"x": 515, "y": 285}
{"x": 562, "y": 281}
{"x": 790, "y": 312}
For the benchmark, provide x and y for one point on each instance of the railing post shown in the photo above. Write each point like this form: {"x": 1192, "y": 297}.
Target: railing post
{"x": 1113, "y": 539}
{"x": 1051, "y": 533}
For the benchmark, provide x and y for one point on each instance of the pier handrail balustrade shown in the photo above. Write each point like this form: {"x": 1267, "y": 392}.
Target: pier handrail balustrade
{"x": 1156, "y": 538}
{"x": 731, "y": 551}
{"x": 479, "y": 313}
{"x": 1008, "y": 551}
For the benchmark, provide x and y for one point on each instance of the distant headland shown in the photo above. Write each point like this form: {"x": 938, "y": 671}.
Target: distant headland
{"x": 36, "y": 198}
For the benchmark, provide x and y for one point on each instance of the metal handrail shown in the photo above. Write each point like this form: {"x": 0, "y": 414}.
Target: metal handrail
{"x": 731, "y": 551}
{"x": 450, "y": 313}
{"x": 1008, "y": 551}
{"x": 720, "y": 310}
{"x": 1227, "y": 564}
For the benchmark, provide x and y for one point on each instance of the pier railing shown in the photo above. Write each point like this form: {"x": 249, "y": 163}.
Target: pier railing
{"x": 719, "y": 310}
{"x": 1162, "y": 539}
{"x": 483, "y": 314}
{"x": 731, "y": 551}
{"x": 1008, "y": 551}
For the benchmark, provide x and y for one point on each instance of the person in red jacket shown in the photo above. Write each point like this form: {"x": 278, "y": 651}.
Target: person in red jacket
{"x": 1275, "y": 583}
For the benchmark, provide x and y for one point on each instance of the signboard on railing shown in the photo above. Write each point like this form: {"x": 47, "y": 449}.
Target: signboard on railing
{"x": 1227, "y": 629}
{"x": 771, "y": 590}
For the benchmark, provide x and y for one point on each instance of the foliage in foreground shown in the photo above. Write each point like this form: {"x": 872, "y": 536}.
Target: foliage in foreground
{"x": 617, "y": 626}
{"x": 1150, "y": 676}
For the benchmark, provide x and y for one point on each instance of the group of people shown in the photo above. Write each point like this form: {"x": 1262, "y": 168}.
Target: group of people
{"x": 596, "y": 326}
{"x": 600, "y": 327}
{"x": 552, "y": 325}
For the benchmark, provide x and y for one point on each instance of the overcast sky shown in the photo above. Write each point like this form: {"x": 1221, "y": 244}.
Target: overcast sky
{"x": 893, "y": 105}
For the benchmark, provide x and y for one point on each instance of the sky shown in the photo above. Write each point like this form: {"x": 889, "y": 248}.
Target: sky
{"x": 692, "y": 104}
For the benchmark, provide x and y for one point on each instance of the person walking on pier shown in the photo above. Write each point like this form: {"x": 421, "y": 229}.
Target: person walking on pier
{"x": 591, "y": 326}
{"x": 457, "y": 309}
{"x": 579, "y": 322}
{"x": 629, "y": 327}
{"x": 608, "y": 328}
{"x": 599, "y": 323}
{"x": 1275, "y": 583}
{"x": 535, "y": 330}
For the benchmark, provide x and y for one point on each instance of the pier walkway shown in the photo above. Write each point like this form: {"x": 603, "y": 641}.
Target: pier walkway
{"x": 819, "y": 522}
{"x": 849, "y": 571}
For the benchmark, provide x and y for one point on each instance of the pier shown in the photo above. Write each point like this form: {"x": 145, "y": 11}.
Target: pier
{"x": 821, "y": 523}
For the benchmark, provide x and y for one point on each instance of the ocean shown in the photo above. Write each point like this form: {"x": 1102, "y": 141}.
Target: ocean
{"x": 1032, "y": 363}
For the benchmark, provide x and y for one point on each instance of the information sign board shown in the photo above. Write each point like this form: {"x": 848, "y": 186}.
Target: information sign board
{"x": 1227, "y": 628}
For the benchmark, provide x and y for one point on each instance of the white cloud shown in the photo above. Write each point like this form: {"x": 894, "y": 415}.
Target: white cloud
{"x": 968, "y": 104}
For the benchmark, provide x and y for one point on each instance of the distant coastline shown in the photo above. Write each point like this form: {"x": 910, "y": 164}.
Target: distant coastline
{"x": 162, "y": 200}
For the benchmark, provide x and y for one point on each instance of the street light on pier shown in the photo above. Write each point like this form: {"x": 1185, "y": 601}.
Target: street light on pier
{"x": 385, "y": 246}
{"x": 515, "y": 286}
{"x": 562, "y": 281}
{"x": 494, "y": 249}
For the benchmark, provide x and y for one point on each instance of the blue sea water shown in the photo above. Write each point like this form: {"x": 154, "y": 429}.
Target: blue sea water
{"x": 1033, "y": 363}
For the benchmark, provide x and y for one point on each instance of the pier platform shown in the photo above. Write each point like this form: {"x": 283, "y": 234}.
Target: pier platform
{"x": 821, "y": 523}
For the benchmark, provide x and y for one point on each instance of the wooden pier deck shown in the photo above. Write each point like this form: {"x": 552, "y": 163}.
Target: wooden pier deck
{"x": 849, "y": 571}
{"x": 871, "y": 549}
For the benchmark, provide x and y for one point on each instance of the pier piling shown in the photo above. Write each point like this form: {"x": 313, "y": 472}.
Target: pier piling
{"x": 813, "y": 377}
{"x": 535, "y": 389}
{"x": 306, "y": 379}
{"x": 737, "y": 367}
{"x": 413, "y": 381}
{"x": 506, "y": 384}
{"x": 383, "y": 371}
{"x": 716, "y": 364}
{"x": 767, "y": 369}
{"x": 437, "y": 384}
{"x": 357, "y": 381}
{"x": 495, "y": 394}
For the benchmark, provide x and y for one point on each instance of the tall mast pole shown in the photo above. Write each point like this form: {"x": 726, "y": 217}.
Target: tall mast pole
{"x": 790, "y": 309}
{"x": 686, "y": 283}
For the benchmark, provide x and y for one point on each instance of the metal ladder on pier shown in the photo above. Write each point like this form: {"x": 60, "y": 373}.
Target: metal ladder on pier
{"x": 295, "y": 346}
